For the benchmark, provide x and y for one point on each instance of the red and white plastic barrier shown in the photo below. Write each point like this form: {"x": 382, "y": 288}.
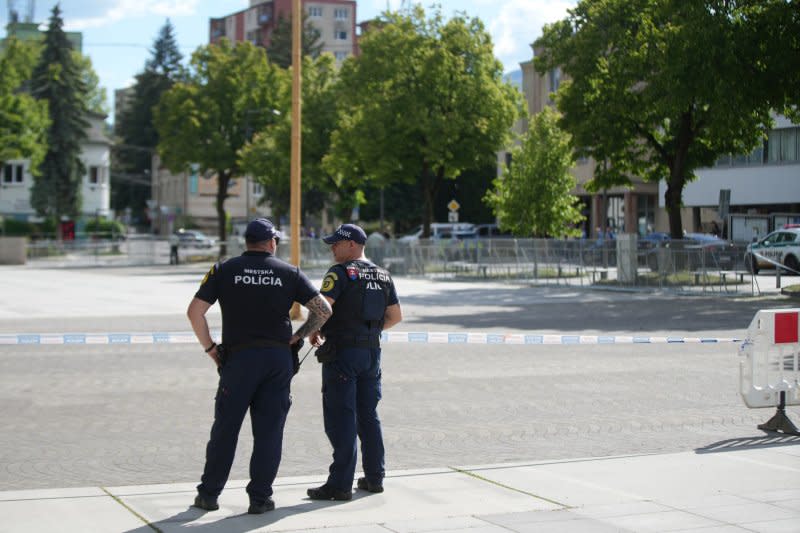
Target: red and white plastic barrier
{"x": 769, "y": 370}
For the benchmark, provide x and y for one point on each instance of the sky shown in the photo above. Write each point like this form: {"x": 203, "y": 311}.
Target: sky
{"x": 118, "y": 34}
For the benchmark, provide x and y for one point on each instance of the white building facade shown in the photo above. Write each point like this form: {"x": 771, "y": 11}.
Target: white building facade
{"x": 16, "y": 179}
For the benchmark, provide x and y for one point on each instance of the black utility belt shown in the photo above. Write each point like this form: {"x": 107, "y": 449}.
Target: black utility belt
{"x": 327, "y": 352}
{"x": 265, "y": 343}
{"x": 356, "y": 341}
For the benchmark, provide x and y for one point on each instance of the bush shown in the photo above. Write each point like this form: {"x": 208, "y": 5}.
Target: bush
{"x": 17, "y": 228}
{"x": 105, "y": 228}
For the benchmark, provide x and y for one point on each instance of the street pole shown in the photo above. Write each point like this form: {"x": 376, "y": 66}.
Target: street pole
{"x": 294, "y": 215}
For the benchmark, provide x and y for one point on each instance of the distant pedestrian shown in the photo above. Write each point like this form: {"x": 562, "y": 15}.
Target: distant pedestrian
{"x": 365, "y": 303}
{"x": 255, "y": 292}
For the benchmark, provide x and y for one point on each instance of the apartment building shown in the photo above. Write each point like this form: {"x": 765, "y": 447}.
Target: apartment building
{"x": 191, "y": 196}
{"x": 335, "y": 19}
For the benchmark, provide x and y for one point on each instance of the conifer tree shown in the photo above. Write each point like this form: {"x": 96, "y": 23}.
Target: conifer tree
{"x": 57, "y": 80}
{"x": 279, "y": 51}
{"x": 138, "y": 137}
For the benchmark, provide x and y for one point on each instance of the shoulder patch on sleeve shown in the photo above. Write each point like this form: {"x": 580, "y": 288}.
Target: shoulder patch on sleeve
{"x": 209, "y": 273}
{"x": 329, "y": 281}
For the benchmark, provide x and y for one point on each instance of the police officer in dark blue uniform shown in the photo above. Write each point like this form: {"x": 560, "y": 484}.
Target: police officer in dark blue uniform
{"x": 365, "y": 303}
{"x": 255, "y": 292}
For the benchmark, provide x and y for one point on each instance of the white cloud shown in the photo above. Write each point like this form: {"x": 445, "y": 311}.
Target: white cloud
{"x": 127, "y": 9}
{"x": 518, "y": 23}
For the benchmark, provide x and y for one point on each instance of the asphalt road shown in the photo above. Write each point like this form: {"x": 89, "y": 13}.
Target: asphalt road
{"x": 134, "y": 414}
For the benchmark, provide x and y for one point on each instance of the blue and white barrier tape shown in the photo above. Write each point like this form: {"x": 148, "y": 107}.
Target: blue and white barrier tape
{"x": 412, "y": 337}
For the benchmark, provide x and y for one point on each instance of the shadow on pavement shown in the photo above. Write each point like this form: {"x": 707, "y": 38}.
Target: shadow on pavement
{"x": 749, "y": 443}
{"x": 581, "y": 310}
{"x": 239, "y": 523}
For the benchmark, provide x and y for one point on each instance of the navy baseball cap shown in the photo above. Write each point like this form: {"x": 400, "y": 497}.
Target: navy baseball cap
{"x": 260, "y": 229}
{"x": 346, "y": 232}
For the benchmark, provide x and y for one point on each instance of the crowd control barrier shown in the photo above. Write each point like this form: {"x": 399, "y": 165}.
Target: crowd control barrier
{"x": 769, "y": 369}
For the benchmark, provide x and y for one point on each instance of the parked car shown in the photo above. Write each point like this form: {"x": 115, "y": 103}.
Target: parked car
{"x": 779, "y": 247}
{"x": 187, "y": 242}
{"x": 442, "y": 231}
{"x": 491, "y": 231}
{"x": 694, "y": 252}
{"x": 652, "y": 240}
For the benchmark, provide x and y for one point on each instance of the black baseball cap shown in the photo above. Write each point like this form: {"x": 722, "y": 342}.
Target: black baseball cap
{"x": 346, "y": 232}
{"x": 261, "y": 229}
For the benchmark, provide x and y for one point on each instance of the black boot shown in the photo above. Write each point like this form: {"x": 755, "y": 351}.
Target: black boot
{"x": 205, "y": 503}
{"x": 261, "y": 507}
{"x": 326, "y": 492}
{"x": 363, "y": 484}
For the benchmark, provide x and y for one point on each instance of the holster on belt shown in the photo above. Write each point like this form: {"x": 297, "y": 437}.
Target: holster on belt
{"x": 327, "y": 352}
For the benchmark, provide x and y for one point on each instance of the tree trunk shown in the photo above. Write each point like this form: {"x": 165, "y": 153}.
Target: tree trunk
{"x": 223, "y": 178}
{"x": 673, "y": 197}
{"x": 672, "y": 201}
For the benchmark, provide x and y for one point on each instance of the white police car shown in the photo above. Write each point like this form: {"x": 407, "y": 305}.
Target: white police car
{"x": 779, "y": 247}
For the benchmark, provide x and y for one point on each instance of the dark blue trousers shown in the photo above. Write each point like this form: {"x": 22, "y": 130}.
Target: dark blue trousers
{"x": 257, "y": 379}
{"x": 351, "y": 390}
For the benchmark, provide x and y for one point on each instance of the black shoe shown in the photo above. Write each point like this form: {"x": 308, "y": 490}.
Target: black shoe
{"x": 262, "y": 507}
{"x": 206, "y": 504}
{"x": 363, "y": 484}
{"x": 326, "y": 492}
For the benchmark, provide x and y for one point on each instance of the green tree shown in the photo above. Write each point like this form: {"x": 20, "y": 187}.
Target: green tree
{"x": 279, "y": 50}
{"x": 772, "y": 52}
{"x": 23, "y": 119}
{"x": 208, "y": 118}
{"x": 130, "y": 177}
{"x": 57, "y": 80}
{"x": 95, "y": 95}
{"x": 423, "y": 102}
{"x": 657, "y": 89}
{"x": 533, "y": 197}
{"x": 268, "y": 157}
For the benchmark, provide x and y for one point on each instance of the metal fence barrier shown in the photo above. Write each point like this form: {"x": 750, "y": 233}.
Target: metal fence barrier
{"x": 769, "y": 369}
{"x": 678, "y": 265}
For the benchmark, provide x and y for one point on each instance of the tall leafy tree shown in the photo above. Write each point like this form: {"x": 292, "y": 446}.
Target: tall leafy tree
{"x": 423, "y": 102}
{"x": 136, "y": 132}
{"x": 57, "y": 80}
{"x": 23, "y": 119}
{"x": 772, "y": 51}
{"x": 657, "y": 89}
{"x": 268, "y": 157}
{"x": 95, "y": 95}
{"x": 279, "y": 50}
{"x": 208, "y": 118}
{"x": 533, "y": 197}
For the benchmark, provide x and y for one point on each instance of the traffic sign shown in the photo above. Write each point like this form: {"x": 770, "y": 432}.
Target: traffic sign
{"x": 453, "y": 205}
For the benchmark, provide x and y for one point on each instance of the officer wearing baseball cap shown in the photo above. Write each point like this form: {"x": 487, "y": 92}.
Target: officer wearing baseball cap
{"x": 365, "y": 303}
{"x": 255, "y": 292}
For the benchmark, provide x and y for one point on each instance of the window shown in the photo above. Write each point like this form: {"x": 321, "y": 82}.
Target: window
{"x": 13, "y": 174}
{"x": 554, "y": 79}
{"x": 258, "y": 189}
{"x": 314, "y": 11}
{"x": 94, "y": 176}
{"x": 783, "y": 145}
{"x": 340, "y": 56}
{"x": 341, "y": 14}
{"x": 340, "y": 35}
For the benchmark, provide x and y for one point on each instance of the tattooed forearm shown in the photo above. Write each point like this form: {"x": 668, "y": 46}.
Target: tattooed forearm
{"x": 319, "y": 311}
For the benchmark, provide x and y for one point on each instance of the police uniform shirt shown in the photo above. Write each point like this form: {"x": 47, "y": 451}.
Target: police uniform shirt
{"x": 341, "y": 284}
{"x": 255, "y": 292}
